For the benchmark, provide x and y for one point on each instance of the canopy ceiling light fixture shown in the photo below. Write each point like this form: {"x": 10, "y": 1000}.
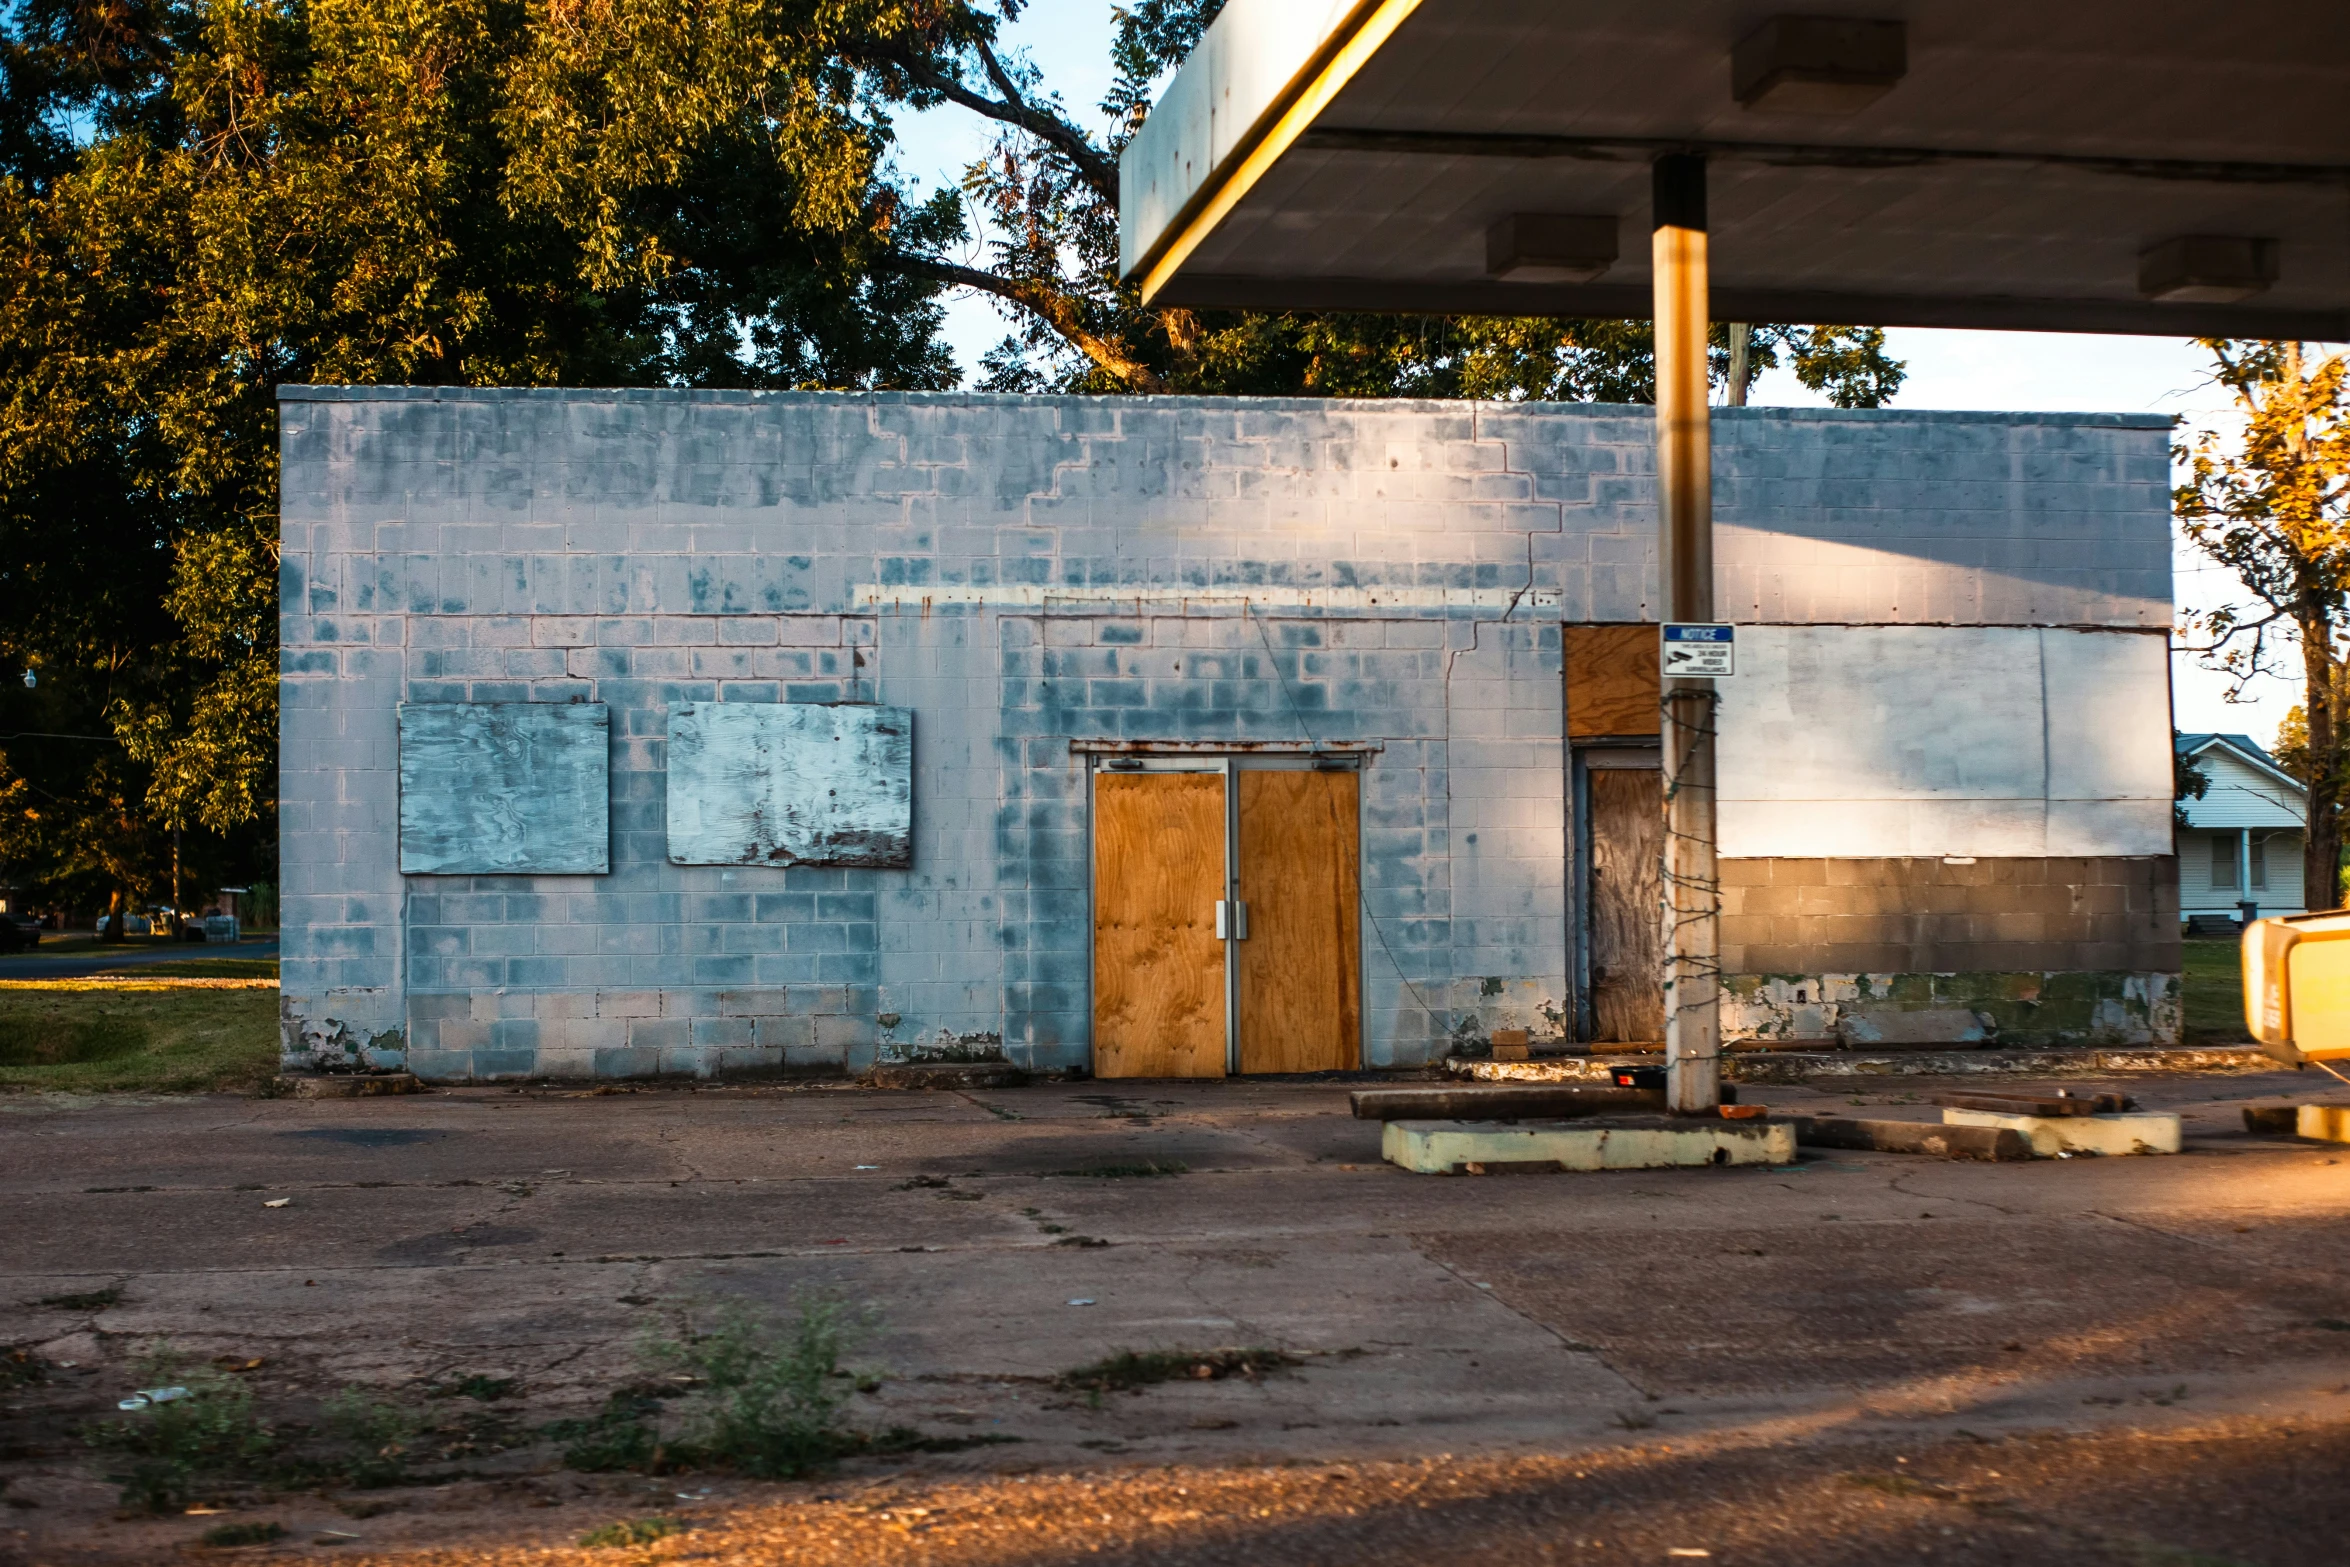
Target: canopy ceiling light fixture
{"x": 2207, "y": 269}
{"x": 1548, "y": 247}
{"x": 1818, "y": 64}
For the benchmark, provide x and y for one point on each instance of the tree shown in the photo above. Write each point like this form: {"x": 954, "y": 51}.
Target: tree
{"x": 1047, "y": 197}
{"x": 2273, "y": 506}
{"x": 202, "y": 199}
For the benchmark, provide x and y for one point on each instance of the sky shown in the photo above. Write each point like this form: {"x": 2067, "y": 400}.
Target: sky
{"x": 1069, "y": 42}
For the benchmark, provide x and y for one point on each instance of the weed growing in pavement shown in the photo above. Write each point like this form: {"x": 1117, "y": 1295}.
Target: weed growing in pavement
{"x": 1120, "y": 1172}
{"x": 632, "y": 1531}
{"x": 621, "y": 1435}
{"x": 88, "y": 1300}
{"x": 380, "y": 1434}
{"x": 19, "y": 1367}
{"x": 771, "y": 1398}
{"x": 1130, "y": 1371}
{"x": 227, "y": 1534}
{"x": 767, "y": 1393}
{"x": 211, "y": 1430}
{"x": 483, "y": 1389}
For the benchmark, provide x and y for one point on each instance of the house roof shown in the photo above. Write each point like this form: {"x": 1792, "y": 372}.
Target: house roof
{"x": 2247, "y": 750}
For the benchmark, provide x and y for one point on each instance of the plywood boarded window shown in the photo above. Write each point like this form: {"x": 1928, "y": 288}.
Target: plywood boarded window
{"x": 505, "y": 788}
{"x": 1612, "y": 681}
{"x": 788, "y": 783}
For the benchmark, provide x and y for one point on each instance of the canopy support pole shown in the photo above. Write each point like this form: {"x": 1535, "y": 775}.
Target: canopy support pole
{"x": 1692, "y": 909}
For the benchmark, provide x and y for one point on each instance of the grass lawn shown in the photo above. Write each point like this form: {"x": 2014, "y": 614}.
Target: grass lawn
{"x": 153, "y": 1041}
{"x": 2213, "y": 993}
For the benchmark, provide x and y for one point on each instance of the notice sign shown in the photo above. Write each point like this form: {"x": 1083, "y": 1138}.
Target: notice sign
{"x": 1694, "y": 651}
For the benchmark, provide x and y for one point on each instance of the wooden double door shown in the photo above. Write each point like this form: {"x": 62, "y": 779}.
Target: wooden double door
{"x": 1226, "y": 921}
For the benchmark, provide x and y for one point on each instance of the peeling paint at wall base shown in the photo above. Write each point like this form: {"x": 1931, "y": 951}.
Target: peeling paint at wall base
{"x": 2093, "y": 1007}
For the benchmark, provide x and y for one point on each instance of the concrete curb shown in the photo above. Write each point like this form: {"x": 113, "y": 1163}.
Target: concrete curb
{"x": 354, "y": 1086}
{"x": 946, "y": 1074}
{"x": 1795, "y": 1067}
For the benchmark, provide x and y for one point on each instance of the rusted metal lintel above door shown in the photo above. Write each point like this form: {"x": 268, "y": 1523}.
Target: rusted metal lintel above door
{"x": 1225, "y": 747}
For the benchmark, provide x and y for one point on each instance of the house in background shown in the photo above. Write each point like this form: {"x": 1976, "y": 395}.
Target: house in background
{"x": 2242, "y": 840}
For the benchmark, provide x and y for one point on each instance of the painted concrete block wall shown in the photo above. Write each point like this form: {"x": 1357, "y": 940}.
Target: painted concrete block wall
{"x": 1027, "y": 576}
{"x": 1885, "y": 742}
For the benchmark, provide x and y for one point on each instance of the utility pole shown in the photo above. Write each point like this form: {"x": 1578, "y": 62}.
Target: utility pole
{"x": 1685, "y": 563}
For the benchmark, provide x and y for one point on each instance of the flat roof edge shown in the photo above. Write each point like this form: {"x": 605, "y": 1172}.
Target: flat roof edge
{"x": 310, "y": 393}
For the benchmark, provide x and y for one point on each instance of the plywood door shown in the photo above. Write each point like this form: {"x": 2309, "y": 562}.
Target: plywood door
{"x": 1300, "y": 969}
{"x": 1626, "y": 903}
{"x": 1158, "y": 969}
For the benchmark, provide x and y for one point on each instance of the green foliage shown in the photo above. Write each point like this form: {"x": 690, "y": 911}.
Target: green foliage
{"x": 766, "y": 1394}
{"x": 1046, "y": 195}
{"x": 212, "y": 1431}
{"x": 632, "y": 1531}
{"x": 621, "y": 1435}
{"x": 203, "y": 199}
{"x": 2271, "y": 503}
{"x": 378, "y": 1435}
{"x": 771, "y": 1390}
{"x": 487, "y": 1389}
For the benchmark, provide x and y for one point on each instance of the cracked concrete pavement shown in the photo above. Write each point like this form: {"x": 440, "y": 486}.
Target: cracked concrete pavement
{"x": 543, "y": 1233}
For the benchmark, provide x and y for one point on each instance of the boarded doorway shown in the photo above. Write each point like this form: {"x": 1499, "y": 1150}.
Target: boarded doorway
{"x": 1613, "y": 696}
{"x": 1300, "y": 975}
{"x": 1158, "y": 967}
{"x": 1227, "y": 919}
{"x": 1624, "y": 897}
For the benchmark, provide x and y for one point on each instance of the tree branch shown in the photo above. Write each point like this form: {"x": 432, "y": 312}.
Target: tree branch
{"x": 1054, "y": 308}
{"x": 1092, "y": 165}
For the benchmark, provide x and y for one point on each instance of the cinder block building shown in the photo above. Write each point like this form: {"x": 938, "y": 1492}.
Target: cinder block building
{"x": 662, "y": 732}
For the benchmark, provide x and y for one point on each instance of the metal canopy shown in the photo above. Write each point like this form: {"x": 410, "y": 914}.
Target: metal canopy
{"x": 1355, "y": 154}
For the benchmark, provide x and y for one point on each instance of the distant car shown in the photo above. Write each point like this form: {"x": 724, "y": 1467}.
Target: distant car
{"x": 19, "y": 933}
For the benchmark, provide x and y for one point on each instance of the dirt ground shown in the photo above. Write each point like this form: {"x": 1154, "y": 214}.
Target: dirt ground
{"x": 1856, "y": 1360}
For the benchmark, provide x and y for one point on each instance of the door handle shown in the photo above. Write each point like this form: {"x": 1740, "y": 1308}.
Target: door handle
{"x": 1231, "y": 920}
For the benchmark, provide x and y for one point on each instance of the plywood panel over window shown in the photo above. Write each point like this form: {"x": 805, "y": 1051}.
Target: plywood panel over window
{"x": 1612, "y": 681}
{"x": 505, "y": 788}
{"x": 779, "y": 783}
{"x": 1158, "y": 967}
